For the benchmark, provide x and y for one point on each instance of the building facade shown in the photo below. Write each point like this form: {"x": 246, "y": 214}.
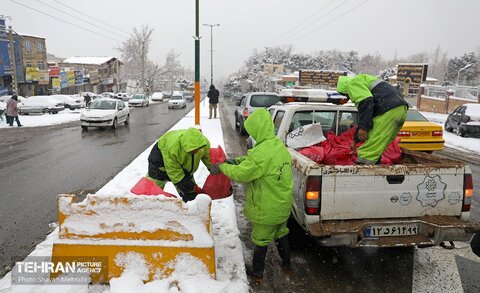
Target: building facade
{"x": 93, "y": 74}
{"x": 35, "y": 79}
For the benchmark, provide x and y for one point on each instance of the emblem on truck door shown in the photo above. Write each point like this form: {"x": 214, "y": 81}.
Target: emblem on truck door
{"x": 431, "y": 191}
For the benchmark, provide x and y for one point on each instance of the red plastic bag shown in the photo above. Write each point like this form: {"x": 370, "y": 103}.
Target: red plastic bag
{"x": 217, "y": 186}
{"x": 146, "y": 186}
{"x": 314, "y": 153}
{"x": 393, "y": 153}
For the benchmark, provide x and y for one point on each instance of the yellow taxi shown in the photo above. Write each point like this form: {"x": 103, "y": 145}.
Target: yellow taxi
{"x": 419, "y": 134}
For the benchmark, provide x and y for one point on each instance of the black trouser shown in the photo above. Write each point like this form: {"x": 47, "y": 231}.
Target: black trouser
{"x": 14, "y": 118}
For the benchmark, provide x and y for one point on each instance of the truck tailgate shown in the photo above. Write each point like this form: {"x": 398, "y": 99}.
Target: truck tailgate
{"x": 398, "y": 191}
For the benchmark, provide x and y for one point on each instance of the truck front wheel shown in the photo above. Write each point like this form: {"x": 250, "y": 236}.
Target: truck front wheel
{"x": 475, "y": 244}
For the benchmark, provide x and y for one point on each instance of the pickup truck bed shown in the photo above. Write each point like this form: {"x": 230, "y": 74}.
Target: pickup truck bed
{"x": 422, "y": 201}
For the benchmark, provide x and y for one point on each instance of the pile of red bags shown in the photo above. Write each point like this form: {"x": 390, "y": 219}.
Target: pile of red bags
{"x": 336, "y": 150}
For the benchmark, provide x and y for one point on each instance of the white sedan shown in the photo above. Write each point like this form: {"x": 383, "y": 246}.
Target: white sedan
{"x": 105, "y": 113}
{"x": 139, "y": 100}
{"x": 177, "y": 101}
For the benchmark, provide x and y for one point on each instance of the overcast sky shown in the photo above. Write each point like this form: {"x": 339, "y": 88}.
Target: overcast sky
{"x": 387, "y": 27}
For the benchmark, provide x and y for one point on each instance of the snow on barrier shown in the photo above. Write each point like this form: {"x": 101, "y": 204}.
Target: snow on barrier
{"x": 155, "y": 229}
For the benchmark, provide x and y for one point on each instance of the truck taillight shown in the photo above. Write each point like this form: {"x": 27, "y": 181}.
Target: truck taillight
{"x": 245, "y": 113}
{"x": 437, "y": 133}
{"x": 403, "y": 134}
{"x": 467, "y": 192}
{"x": 312, "y": 195}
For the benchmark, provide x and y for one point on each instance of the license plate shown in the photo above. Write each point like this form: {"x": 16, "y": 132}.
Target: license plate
{"x": 391, "y": 230}
{"x": 421, "y": 133}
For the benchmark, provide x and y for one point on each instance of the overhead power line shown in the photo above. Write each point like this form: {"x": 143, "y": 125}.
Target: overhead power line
{"x": 65, "y": 21}
{"x": 318, "y": 18}
{"x": 81, "y": 19}
{"x": 281, "y": 37}
{"x": 327, "y": 23}
{"x": 92, "y": 18}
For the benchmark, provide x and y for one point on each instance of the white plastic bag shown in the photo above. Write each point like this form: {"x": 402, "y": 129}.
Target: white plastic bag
{"x": 305, "y": 136}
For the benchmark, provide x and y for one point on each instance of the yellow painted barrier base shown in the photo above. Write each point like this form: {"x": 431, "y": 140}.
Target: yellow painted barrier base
{"x": 157, "y": 258}
{"x": 132, "y": 231}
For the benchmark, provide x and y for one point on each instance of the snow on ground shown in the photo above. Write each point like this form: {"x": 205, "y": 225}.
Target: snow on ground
{"x": 34, "y": 120}
{"x": 466, "y": 144}
{"x": 189, "y": 275}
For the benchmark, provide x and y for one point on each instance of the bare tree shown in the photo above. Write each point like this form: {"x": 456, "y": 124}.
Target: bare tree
{"x": 134, "y": 55}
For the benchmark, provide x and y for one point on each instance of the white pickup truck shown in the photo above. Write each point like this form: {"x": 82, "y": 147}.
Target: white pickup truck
{"x": 417, "y": 202}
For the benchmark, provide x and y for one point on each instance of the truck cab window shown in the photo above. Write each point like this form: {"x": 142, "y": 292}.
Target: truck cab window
{"x": 278, "y": 120}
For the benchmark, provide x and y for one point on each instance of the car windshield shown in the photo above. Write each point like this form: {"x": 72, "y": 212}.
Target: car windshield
{"x": 103, "y": 105}
{"x": 415, "y": 116}
{"x": 263, "y": 100}
{"x": 176, "y": 98}
{"x": 137, "y": 97}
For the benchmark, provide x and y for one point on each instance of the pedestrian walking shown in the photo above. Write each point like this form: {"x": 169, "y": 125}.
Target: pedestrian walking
{"x": 87, "y": 100}
{"x": 382, "y": 111}
{"x": 12, "y": 111}
{"x": 213, "y": 94}
{"x": 175, "y": 157}
{"x": 267, "y": 169}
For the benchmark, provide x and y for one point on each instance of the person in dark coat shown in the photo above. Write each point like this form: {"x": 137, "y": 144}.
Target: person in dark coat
{"x": 12, "y": 111}
{"x": 213, "y": 101}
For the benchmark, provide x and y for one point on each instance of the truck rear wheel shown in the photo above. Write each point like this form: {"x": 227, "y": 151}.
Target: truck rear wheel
{"x": 475, "y": 244}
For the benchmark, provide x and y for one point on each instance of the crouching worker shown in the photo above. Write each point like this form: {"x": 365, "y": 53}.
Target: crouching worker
{"x": 267, "y": 168}
{"x": 382, "y": 111}
{"x": 175, "y": 157}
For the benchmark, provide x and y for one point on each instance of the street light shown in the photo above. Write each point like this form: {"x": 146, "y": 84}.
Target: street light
{"x": 466, "y": 66}
{"x": 211, "y": 49}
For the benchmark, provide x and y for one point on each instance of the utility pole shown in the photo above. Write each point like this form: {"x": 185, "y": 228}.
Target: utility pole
{"x": 12, "y": 60}
{"x": 197, "y": 65}
{"x": 211, "y": 49}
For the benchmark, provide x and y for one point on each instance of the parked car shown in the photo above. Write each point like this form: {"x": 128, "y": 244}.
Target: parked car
{"x": 139, "y": 100}
{"x": 419, "y": 134}
{"x": 227, "y": 94}
{"x": 157, "y": 96}
{"x": 167, "y": 94}
{"x": 249, "y": 103}
{"x": 105, "y": 112}
{"x": 4, "y": 99}
{"x": 40, "y": 105}
{"x": 109, "y": 95}
{"x": 177, "y": 101}
{"x": 3, "y": 107}
{"x": 465, "y": 120}
{"x": 123, "y": 96}
{"x": 237, "y": 97}
{"x": 188, "y": 96}
{"x": 68, "y": 101}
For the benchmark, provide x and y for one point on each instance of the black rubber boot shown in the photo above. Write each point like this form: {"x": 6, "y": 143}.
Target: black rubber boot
{"x": 283, "y": 248}
{"x": 258, "y": 263}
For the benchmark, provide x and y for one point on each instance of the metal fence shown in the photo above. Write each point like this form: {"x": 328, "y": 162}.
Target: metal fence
{"x": 462, "y": 92}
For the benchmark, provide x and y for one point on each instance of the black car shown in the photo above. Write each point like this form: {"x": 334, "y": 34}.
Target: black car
{"x": 465, "y": 120}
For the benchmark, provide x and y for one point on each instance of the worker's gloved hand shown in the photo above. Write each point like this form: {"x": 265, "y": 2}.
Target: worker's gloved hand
{"x": 231, "y": 161}
{"x": 215, "y": 169}
{"x": 197, "y": 189}
{"x": 353, "y": 146}
{"x": 362, "y": 135}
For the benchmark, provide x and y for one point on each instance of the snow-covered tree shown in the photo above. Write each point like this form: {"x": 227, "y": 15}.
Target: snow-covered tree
{"x": 470, "y": 75}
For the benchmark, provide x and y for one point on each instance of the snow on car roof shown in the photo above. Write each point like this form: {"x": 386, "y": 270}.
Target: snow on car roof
{"x": 472, "y": 109}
